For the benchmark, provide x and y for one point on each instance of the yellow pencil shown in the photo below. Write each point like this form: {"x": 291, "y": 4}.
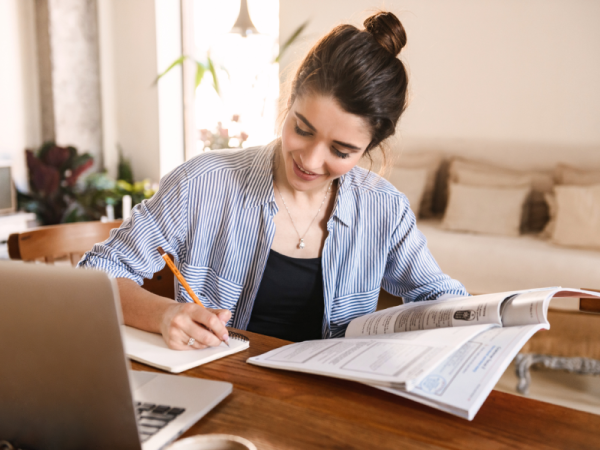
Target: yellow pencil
{"x": 184, "y": 283}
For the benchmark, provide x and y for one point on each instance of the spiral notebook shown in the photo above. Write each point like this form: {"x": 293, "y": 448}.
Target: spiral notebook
{"x": 150, "y": 348}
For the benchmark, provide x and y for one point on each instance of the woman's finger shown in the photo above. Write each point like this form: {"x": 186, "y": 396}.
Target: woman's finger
{"x": 200, "y": 333}
{"x": 212, "y": 322}
{"x": 192, "y": 343}
{"x": 177, "y": 339}
{"x": 223, "y": 314}
{"x": 184, "y": 321}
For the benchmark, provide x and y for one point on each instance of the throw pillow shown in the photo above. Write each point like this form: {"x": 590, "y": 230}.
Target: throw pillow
{"x": 483, "y": 209}
{"x": 430, "y": 162}
{"x": 578, "y": 216}
{"x": 540, "y": 181}
{"x": 411, "y": 182}
{"x": 535, "y": 213}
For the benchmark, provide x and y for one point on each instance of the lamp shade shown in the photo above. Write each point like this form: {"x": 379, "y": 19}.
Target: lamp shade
{"x": 243, "y": 25}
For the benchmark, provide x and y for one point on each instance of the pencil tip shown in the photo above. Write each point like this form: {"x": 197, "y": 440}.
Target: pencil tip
{"x": 161, "y": 251}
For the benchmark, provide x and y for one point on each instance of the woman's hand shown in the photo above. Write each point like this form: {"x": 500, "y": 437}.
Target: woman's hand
{"x": 177, "y": 322}
{"x": 182, "y": 321}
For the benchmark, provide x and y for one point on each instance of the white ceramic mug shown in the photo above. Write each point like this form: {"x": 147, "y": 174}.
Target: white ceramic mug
{"x": 213, "y": 442}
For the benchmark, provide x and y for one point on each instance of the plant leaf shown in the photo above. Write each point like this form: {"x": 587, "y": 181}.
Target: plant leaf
{"x": 200, "y": 71}
{"x": 291, "y": 40}
{"x": 213, "y": 72}
{"x": 175, "y": 63}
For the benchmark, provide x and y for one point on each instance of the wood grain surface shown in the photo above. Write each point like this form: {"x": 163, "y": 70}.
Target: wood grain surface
{"x": 590, "y": 305}
{"x": 286, "y": 410}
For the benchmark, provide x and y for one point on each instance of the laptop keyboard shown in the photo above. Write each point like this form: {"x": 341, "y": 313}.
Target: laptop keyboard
{"x": 152, "y": 418}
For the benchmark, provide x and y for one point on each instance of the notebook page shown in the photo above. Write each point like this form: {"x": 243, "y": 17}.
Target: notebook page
{"x": 151, "y": 349}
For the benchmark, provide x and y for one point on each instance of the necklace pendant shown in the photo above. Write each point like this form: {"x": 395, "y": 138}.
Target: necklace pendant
{"x": 301, "y": 244}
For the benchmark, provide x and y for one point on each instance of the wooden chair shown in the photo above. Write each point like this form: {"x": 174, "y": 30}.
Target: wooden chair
{"x": 69, "y": 242}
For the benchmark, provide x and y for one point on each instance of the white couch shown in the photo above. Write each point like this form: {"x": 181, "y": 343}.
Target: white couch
{"x": 487, "y": 263}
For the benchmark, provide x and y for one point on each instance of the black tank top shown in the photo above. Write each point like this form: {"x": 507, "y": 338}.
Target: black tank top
{"x": 289, "y": 303}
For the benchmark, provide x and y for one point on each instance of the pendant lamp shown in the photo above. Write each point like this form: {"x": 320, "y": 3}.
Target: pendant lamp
{"x": 243, "y": 25}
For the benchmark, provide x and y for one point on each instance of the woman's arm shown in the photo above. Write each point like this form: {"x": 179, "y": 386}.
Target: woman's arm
{"x": 177, "y": 322}
{"x": 130, "y": 255}
{"x": 411, "y": 271}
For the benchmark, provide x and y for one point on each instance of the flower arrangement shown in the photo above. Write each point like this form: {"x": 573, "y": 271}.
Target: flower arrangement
{"x": 220, "y": 138}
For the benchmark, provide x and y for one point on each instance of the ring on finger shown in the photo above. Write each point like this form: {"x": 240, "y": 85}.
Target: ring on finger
{"x": 191, "y": 341}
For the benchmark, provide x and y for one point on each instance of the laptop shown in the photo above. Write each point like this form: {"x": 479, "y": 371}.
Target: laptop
{"x": 64, "y": 378}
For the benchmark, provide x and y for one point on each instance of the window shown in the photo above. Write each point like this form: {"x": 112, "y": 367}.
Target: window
{"x": 244, "y": 111}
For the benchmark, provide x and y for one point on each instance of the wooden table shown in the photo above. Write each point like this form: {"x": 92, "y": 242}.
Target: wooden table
{"x": 279, "y": 410}
{"x": 590, "y": 305}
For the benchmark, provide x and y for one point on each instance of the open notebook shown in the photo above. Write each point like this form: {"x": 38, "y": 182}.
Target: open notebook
{"x": 151, "y": 349}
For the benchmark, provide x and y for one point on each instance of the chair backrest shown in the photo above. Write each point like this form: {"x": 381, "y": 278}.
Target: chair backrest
{"x": 51, "y": 243}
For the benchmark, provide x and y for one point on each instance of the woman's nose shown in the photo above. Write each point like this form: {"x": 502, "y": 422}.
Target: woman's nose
{"x": 313, "y": 157}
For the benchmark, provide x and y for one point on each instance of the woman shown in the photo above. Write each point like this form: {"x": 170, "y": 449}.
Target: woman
{"x": 292, "y": 239}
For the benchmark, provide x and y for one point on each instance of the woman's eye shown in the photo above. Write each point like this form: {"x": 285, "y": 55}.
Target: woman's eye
{"x": 302, "y": 132}
{"x": 340, "y": 154}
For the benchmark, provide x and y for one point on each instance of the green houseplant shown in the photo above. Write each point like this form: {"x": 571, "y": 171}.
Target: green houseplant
{"x": 53, "y": 175}
{"x": 59, "y": 194}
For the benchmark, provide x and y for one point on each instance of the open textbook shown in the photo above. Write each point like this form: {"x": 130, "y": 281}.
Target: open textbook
{"x": 447, "y": 354}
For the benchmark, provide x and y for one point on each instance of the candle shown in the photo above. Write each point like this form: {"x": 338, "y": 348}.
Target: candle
{"x": 126, "y": 207}
{"x": 110, "y": 213}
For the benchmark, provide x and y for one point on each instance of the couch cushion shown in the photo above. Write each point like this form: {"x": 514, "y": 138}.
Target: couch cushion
{"x": 535, "y": 213}
{"x": 577, "y": 221}
{"x": 429, "y": 161}
{"x": 411, "y": 182}
{"x": 565, "y": 174}
{"x": 486, "y": 263}
{"x": 483, "y": 209}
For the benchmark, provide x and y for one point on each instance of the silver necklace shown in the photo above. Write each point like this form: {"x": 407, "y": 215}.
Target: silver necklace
{"x": 301, "y": 242}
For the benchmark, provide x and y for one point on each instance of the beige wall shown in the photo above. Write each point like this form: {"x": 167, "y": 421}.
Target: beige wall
{"x": 144, "y": 118}
{"x": 513, "y": 81}
{"x": 19, "y": 92}
{"x": 130, "y": 101}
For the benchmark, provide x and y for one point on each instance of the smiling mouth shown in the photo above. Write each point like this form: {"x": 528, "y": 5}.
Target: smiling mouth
{"x": 305, "y": 171}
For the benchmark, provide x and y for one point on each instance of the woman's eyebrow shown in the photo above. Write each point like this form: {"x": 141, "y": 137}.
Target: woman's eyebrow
{"x": 303, "y": 119}
{"x": 309, "y": 125}
{"x": 350, "y": 146}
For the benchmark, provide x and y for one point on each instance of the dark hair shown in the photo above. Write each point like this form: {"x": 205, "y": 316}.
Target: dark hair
{"x": 361, "y": 71}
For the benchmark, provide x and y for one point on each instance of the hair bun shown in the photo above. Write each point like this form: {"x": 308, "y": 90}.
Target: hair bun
{"x": 387, "y": 31}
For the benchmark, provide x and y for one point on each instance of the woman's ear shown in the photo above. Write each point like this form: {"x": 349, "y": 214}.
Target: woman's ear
{"x": 289, "y": 102}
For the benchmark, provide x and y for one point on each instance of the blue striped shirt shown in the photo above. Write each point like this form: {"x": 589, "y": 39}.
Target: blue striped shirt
{"x": 214, "y": 214}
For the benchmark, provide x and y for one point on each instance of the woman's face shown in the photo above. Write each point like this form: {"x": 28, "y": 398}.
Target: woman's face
{"x": 320, "y": 142}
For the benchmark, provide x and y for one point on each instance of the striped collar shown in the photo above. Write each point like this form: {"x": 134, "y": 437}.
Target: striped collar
{"x": 258, "y": 189}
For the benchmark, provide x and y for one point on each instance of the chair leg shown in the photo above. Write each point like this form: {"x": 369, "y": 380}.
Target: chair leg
{"x": 524, "y": 361}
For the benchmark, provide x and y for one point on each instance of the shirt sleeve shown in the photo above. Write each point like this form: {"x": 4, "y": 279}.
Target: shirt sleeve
{"x": 131, "y": 250}
{"x": 411, "y": 271}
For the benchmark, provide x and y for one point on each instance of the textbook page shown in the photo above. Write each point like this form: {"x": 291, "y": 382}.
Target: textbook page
{"x": 461, "y": 383}
{"x": 430, "y": 314}
{"x": 532, "y": 307}
{"x": 397, "y": 360}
